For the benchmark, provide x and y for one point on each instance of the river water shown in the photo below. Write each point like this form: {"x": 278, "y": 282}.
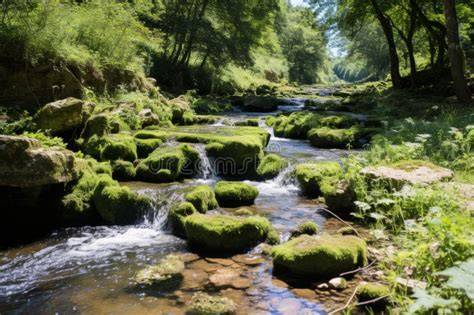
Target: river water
{"x": 89, "y": 270}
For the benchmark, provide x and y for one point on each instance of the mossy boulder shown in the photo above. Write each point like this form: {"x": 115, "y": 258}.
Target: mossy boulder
{"x": 310, "y": 176}
{"x": 322, "y": 256}
{"x": 111, "y": 147}
{"x": 202, "y": 197}
{"x": 270, "y": 166}
{"x": 98, "y": 125}
{"x": 151, "y": 134}
{"x": 63, "y": 115}
{"x": 167, "y": 274}
{"x": 179, "y": 106}
{"x": 25, "y": 163}
{"x": 337, "y": 121}
{"x": 123, "y": 170}
{"x": 146, "y": 146}
{"x": 235, "y": 194}
{"x": 119, "y": 205}
{"x": 178, "y": 214}
{"x": 248, "y": 122}
{"x": 259, "y": 104}
{"x": 333, "y": 138}
{"x": 148, "y": 117}
{"x": 338, "y": 194}
{"x": 371, "y": 291}
{"x": 307, "y": 227}
{"x": 222, "y": 233}
{"x": 167, "y": 164}
{"x": 205, "y": 304}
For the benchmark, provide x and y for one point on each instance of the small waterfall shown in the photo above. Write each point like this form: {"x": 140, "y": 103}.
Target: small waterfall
{"x": 219, "y": 122}
{"x": 204, "y": 167}
{"x": 284, "y": 178}
{"x": 157, "y": 217}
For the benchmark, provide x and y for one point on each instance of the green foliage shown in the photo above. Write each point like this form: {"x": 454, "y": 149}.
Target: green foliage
{"x": 46, "y": 140}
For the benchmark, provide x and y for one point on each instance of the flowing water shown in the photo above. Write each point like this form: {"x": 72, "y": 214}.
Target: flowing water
{"x": 90, "y": 269}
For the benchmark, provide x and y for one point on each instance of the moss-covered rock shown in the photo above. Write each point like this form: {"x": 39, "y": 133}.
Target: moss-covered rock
{"x": 321, "y": 256}
{"x": 243, "y": 212}
{"x": 167, "y": 164}
{"x": 333, "y": 138}
{"x": 248, "y": 122}
{"x": 221, "y": 233}
{"x": 307, "y": 227}
{"x": 211, "y": 106}
{"x": 123, "y": 170}
{"x": 151, "y": 134}
{"x": 270, "y": 166}
{"x": 338, "y": 194}
{"x": 204, "y": 304}
{"x": 111, "y": 147}
{"x": 259, "y": 104}
{"x": 235, "y": 194}
{"x": 310, "y": 176}
{"x": 202, "y": 197}
{"x": 337, "y": 121}
{"x": 167, "y": 274}
{"x": 178, "y": 214}
{"x": 119, "y": 205}
{"x": 146, "y": 146}
{"x": 63, "y": 115}
{"x": 371, "y": 291}
{"x": 96, "y": 125}
{"x": 273, "y": 237}
{"x": 347, "y": 230}
{"x": 25, "y": 163}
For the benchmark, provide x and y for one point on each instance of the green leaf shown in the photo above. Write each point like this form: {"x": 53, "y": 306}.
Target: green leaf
{"x": 461, "y": 277}
{"x": 425, "y": 301}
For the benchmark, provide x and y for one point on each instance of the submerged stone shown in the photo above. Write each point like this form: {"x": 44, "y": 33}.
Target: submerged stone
{"x": 168, "y": 271}
{"x": 204, "y": 304}
{"x": 235, "y": 194}
{"x": 322, "y": 256}
{"x": 63, "y": 115}
{"x": 221, "y": 233}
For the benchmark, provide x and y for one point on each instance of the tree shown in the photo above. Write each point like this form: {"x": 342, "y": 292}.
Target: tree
{"x": 455, "y": 52}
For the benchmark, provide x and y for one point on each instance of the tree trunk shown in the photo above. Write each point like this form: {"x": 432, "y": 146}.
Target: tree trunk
{"x": 455, "y": 53}
{"x": 394, "y": 59}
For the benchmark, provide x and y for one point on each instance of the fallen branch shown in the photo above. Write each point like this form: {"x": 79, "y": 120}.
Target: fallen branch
{"x": 373, "y": 301}
{"x": 359, "y": 269}
{"x": 337, "y": 217}
{"x": 347, "y": 303}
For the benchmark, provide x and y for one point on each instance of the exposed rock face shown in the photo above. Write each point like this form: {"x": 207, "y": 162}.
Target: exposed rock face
{"x": 24, "y": 163}
{"x": 408, "y": 172}
{"x": 63, "y": 115}
{"x": 148, "y": 118}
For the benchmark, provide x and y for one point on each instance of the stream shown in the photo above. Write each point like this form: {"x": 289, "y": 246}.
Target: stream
{"x": 90, "y": 269}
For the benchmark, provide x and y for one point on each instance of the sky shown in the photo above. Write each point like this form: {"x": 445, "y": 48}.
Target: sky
{"x": 297, "y": 2}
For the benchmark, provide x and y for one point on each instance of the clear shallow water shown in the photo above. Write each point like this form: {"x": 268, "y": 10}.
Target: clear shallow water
{"x": 89, "y": 269}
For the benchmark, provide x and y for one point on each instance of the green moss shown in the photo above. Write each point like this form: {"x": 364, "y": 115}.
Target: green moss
{"x": 337, "y": 121}
{"x": 295, "y": 125}
{"x": 333, "y": 138}
{"x": 101, "y": 167}
{"x": 96, "y": 125}
{"x": 168, "y": 164}
{"x": 202, "y": 197}
{"x": 320, "y": 256}
{"x": 111, "y": 148}
{"x": 123, "y": 170}
{"x": 188, "y": 119}
{"x": 178, "y": 214}
{"x": 243, "y": 212}
{"x": 204, "y": 304}
{"x": 222, "y": 233}
{"x": 167, "y": 274}
{"x": 211, "y": 106}
{"x": 235, "y": 194}
{"x": 270, "y": 166}
{"x": 411, "y": 165}
{"x": 307, "y": 227}
{"x": 371, "y": 291}
{"x": 270, "y": 120}
{"x": 248, "y": 122}
{"x": 205, "y": 119}
{"x": 273, "y": 237}
{"x": 119, "y": 205}
{"x": 347, "y": 230}
{"x": 147, "y": 146}
{"x": 338, "y": 194}
{"x": 151, "y": 134}
{"x": 310, "y": 176}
